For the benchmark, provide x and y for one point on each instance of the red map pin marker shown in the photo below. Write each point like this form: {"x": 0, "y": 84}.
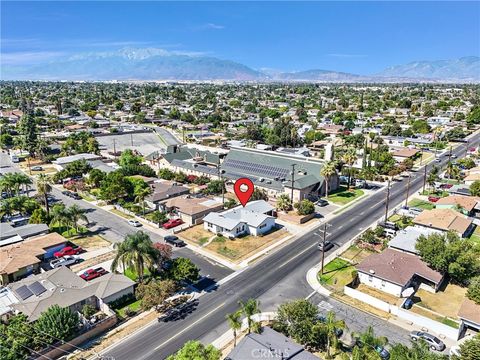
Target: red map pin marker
{"x": 242, "y": 194}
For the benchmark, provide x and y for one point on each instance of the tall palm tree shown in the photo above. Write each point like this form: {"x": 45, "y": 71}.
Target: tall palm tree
{"x": 327, "y": 171}
{"x": 235, "y": 322}
{"x": 44, "y": 187}
{"x": 61, "y": 216}
{"x": 284, "y": 203}
{"x": 141, "y": 194}
{"x": 250, "y": 308}
{"x": 21, "y": 180}
{"x": 137, "y": 251}
{"x": 76, "y": 213}
{"x": 330, "y": 325}
{"x": 349, "y": 158}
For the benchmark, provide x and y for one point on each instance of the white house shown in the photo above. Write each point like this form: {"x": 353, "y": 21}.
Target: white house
{"x": 394, "y": 272}
{"x": 254, "y": 219}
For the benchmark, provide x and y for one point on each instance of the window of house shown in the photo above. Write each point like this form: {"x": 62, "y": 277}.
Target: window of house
{"x": 370, "y": 278}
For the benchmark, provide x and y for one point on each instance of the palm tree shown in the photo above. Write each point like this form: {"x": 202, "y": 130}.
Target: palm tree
{"x": 432, "y": 177}
{"x": 349, "y": 158}
{"x": 330, "y": 325}
{"x": 141, "y": 194}
{"x": 60, "y": 216}
{"x": 369, "y": 342}
{"x": 284, "y": 203}
{"x": 327, "y": 171}
{"x": 76, "y": 213}
{"x": 44, "y": 187}
{"x": 21, "y": 180}
{"x": 235, "y": 322}
{"x": 136, "y": 251}
{"x": 250, "y": 308}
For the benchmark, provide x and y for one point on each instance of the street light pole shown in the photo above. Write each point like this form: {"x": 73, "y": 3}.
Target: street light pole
{"x": 408, "y": 189}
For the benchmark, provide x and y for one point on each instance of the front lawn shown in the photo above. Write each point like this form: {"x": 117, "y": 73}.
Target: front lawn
{"x": 239, "y": 249}
{"x": 337, "y": 273}
{"x": 132, "y": 274}
{"x": 355, "y": 254}
{"x": 343, "y": 196}
{"x": 133, "y": 306}
{"x": 90, "y": 242}
{"x": 421, "y": 204}
{"x": 446, "y": 301}
{"x": 475, "y": 237}
{"x": 196, "y": 235}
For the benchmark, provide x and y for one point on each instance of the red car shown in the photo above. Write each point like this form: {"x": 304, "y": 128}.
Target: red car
{"x": 172, "y": 223}
{"x": 433, "y": 198}
{"x": 91, "y": 274}
{"x": 68, "y": 250}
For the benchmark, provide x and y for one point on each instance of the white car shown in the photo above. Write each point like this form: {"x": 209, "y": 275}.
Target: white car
{"x": 67, "y": 260}
{"x": 134, "y": 223}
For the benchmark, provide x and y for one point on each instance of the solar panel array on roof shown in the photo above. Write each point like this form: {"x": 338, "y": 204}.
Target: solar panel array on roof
{"x": 261, "y": 169}
{"x": 37, "y": 288}
{"x": 24, "y": 292}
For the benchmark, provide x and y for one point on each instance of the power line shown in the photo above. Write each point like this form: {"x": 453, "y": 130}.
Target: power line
{"x": 44, "y": 342}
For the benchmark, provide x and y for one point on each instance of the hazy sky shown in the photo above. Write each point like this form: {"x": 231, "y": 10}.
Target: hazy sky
{"x": 359, "y": 37}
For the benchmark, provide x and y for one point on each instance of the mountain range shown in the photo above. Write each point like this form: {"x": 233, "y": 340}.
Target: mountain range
{"x": 158, "y": 64}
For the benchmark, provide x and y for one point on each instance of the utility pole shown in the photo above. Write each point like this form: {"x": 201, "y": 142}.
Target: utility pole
{"x": 114, "y": 148}
{"x": 221, "y": 179}
{"x": 131, "y": 139}
{"x": 421, "y": 158}
{"x": 387, "y": 199}
{"x": 466, "y": 149}
{"x": 424, "y": 178}
{"x": 324, "y": 240}
{"x": 293, "y": 181}
{"x": 408, "y": 189}
{"x": 450, "y": 154}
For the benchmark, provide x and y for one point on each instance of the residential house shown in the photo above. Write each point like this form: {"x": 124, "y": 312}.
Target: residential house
{"x": 467, "y": 205}
{"x": 12, "y": 234}
{"x": 61, "y": 286}
{"x": 394, "y": 271}
{"x": 445, "y": 220}
{"x": 164, "y": 190}
{"x": 254, "y": 219}
{"x": 269, "y": 344}
{"x": 190, "y": 209}
{"x": 24, "y": 258}
{"x": 61, "y": 162}
{"x": 406, "y": 239}
{"x": 404, "y": 153}
{"x": 469, "y": 315}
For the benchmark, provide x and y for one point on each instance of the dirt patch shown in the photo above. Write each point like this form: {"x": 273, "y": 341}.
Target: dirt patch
{"x": 378, "y": 294}
{"x": 91, "y": 242}
{"x": 238, "y": 249}
{"x": 446, "y": 301}
{"x": 356, "y": 255}
{"x": 93, "y": 262}
{"x": 196, "y": 235}
{"x": 293, "y": 218}
{"x": 361, "y": 305}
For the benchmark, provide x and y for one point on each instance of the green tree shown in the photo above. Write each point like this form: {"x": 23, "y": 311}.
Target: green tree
{"x": 250, "y": 308}
{"x": 183, "y": 269}
{"x": 95, "y": 177}
{"x": 39, "y": 216}
{"x": 60, "y": 323}
{"x": 155, "y": 292}
{"x": 418, "y": 351}
{"x": 136, "y": 251}
{"x": 305, "y": 207}
{"x": 235, "y": 321}
{"x": 473, "y": 292}
{"x": 16, "y": 338}
{"x": 327, "y": 171}
{"x": 473, "y": 116}
{"x": 159, "y": 217}
{"x": 128, "y": 158}
{"x": 44, "y": 187}
{"x": 470, "y": 349}
{"x": 368, "y": 342}
{"x": 76, "y": 214}
{"x": 114, "y": 187}
{"x": 27, "y": 127}
{"x": 195, "y": 350}
{"x": 475, "y": 188}
{"x": 215, "y": 187}
{"x": 259, "y": 194}
{"x": 349, "y": 159}
{"x": 166, "y": 174}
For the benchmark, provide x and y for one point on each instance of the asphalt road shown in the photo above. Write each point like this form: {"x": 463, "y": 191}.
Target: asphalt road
{"x": 274, "y": 279}
{"x": 167, "y": 136}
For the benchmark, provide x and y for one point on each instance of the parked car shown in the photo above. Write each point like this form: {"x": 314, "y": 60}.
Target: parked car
{"x": 37, "y": 168}
{"x": 382, "y": 352}
{"x": 65, "y": 261}
{"x": 408, "y": 304}
{"x": 67, "y": 193}
{"x": 445, "y": 186}
{"x": 432, "y": 341}
{"x": 134, "y": 223}
{"x": 388, "y": 225}
{"x": 433, "y": 198}
{"x": 68, "y": 250}
{"x": 328, "y": 245}
{"x": 91, "y": 274}
{"x": 415, "y": 211}
{"x": 172, "y": 223}
{"x": 322, "y": 202}
{"x": 75, "y": 196}
{"x": 174, "y": 240}
{"x": 454, "y": 156}
{"x": 323, "y": 319}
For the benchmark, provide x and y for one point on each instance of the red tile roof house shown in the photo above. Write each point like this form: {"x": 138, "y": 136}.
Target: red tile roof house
{"x": 394, "y": 271}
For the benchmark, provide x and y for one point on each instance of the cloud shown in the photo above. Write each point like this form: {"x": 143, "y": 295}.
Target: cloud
{"x": 211, "y": 26}
{"x": 339, "y": 55}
